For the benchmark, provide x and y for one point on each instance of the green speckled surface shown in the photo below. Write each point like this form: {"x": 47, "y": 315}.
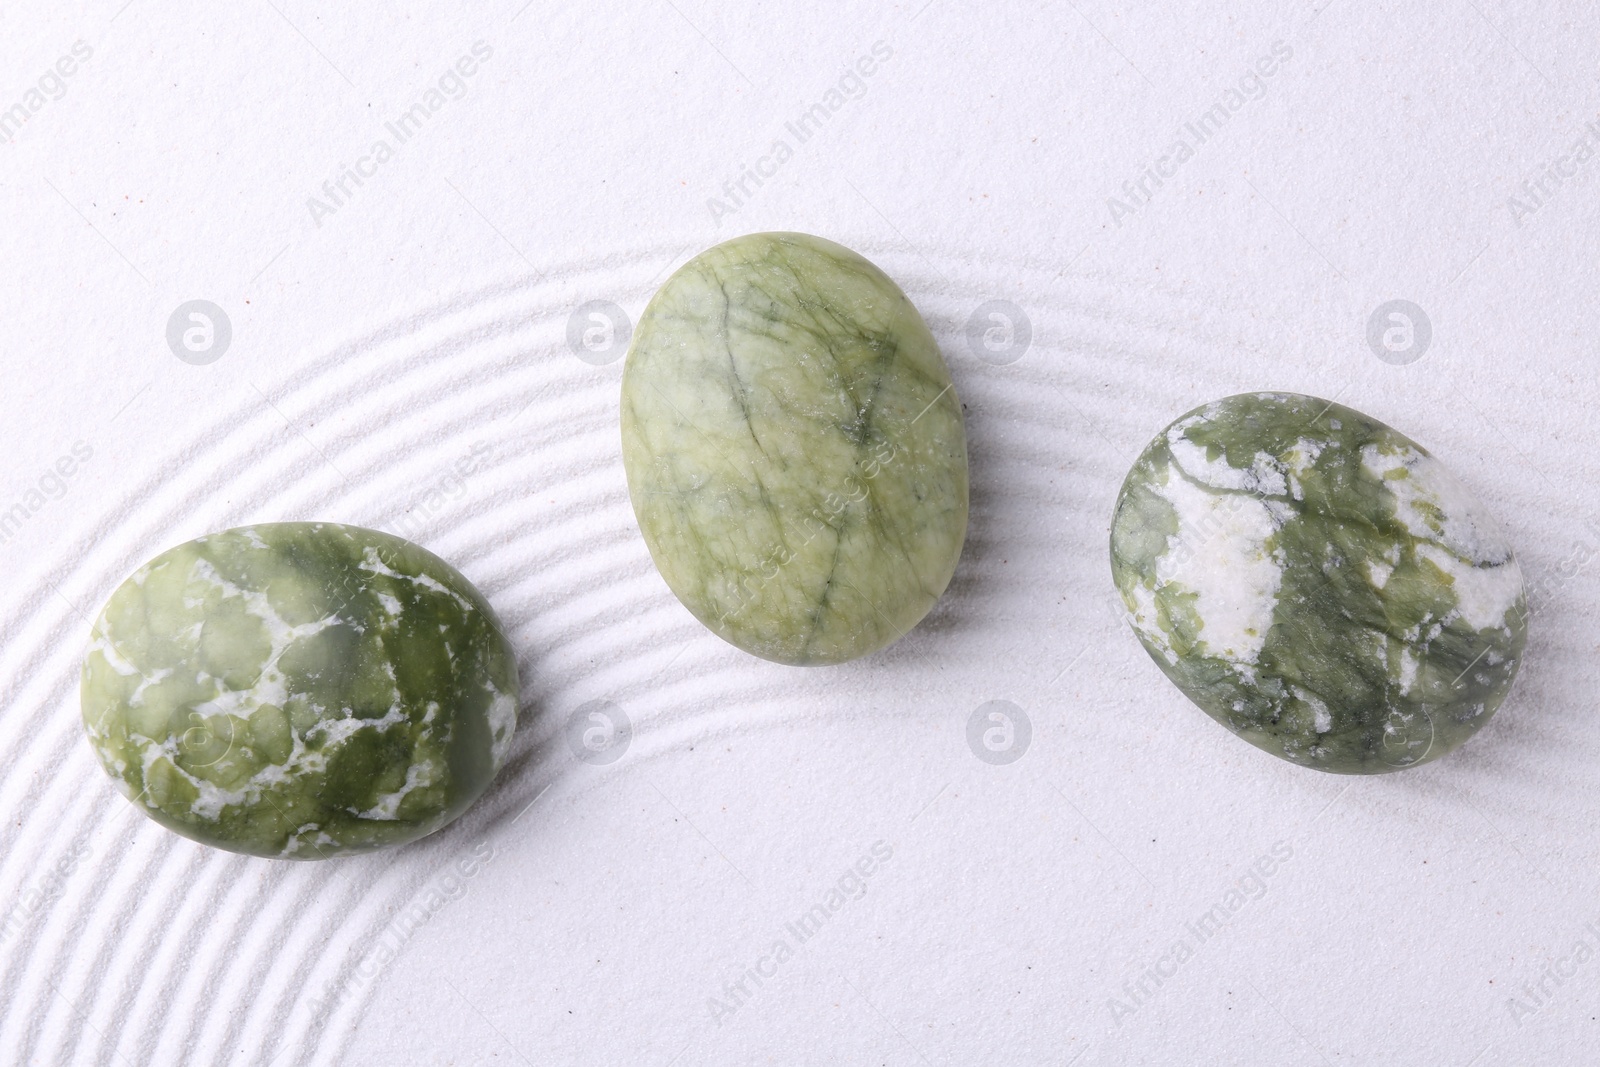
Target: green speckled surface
{"x": 299, "y": 690}
{"x": 794, "y": 448}
{"x": 1318, "y": 583}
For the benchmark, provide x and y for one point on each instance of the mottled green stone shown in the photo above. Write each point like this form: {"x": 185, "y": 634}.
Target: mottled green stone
{"x": 299, "y": 690}
{"x": 1318, "y": 583}
{"x": 794, "y": 449}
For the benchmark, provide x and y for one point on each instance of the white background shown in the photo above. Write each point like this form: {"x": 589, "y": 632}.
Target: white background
{"x": 428, "y": 316}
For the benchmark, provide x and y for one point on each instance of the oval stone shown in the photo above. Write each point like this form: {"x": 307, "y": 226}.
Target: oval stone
{"x": 794, "y": 449}
{"x": 299, "y": 690}
{"x": 1318, "y": 583}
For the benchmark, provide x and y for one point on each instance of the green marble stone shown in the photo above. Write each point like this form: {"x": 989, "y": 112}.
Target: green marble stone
{"x": 794, "y": 449}
{"x": 1318, "y": 583}
{"x": 299, "y": 690}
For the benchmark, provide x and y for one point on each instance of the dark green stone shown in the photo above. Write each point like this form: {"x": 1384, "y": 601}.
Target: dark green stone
{"x": 300, "y": 690}
{"x": 1318, "y": 583}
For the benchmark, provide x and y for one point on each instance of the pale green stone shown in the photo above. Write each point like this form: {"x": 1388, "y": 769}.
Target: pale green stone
{"x": 299, "y": 690}
{"x": 1318, "y": 583}
{"x": 794, "y": 449}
